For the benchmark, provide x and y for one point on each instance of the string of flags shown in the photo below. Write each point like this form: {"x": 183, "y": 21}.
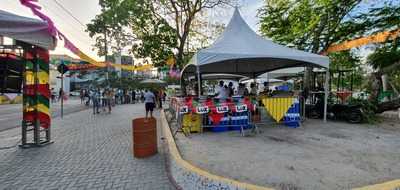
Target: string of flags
{"x": 36, "y": 9}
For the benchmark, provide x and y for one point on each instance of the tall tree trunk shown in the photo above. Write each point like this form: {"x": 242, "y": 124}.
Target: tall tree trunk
{"x": 385, "y": 88}
{"x": 377, "y": 86}
{"x": 389, "y": 105}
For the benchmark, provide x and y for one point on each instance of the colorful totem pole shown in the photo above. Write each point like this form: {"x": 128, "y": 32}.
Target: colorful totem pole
{"x": 36, "y": 96}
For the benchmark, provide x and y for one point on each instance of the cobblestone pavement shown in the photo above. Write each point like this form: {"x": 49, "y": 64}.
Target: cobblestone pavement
{"x": 89, "y": 152}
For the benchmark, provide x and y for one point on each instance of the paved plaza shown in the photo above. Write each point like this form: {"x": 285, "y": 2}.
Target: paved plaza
{"x": 11, "y": 114}
{"x": 89, "y": 152}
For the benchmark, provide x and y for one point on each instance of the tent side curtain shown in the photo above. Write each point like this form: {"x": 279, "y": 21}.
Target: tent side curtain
{"x": 26, "y": 29}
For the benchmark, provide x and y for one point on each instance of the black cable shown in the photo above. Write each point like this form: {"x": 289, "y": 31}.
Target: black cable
{"x": 70, "y": 14}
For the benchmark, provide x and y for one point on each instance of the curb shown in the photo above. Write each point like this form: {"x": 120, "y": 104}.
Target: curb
{"x": 390, "y": 185}
{"x": 188, "y": 176}
{"x": 184, "y": 175}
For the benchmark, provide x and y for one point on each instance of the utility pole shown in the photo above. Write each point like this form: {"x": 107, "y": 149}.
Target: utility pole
{"x": 62, "y": 95}
{"x": 105, "y": 56}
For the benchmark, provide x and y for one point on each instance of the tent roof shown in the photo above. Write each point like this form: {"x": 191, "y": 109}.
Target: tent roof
{"x": 219, "y": 76}
{"x": 239, "y": 50}
{"x": 26, "y": 29}
{"x": 153, "y": 81}
{"x": 288, "y": 72}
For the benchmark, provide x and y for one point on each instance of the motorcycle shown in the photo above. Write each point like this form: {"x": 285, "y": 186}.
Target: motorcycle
{"x": 349, "y": 113}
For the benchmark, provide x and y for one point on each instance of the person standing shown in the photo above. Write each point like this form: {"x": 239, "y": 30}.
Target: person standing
{"x": 221, "y": 90}
{"x": 230, "y": 89}
{"x": 133, "y": 96}
{"x": 253, "y": 89}
{"x": 149, "y": 100}
{"x": 241, "y": 89}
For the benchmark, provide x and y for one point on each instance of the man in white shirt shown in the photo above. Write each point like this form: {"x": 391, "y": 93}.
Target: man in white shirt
{"x": 149, "y": 100}
{"x": 221, "y": 90}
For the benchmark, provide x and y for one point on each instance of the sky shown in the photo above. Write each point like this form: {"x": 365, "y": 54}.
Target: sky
{"x": 85, "y": 10}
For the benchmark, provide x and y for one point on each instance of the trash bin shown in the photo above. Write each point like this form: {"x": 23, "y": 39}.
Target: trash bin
{"x": 144, "y": 132}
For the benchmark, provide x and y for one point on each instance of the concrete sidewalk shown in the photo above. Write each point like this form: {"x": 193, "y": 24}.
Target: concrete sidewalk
{"x": 89, "y": 152}
{"x": 11, "y": 114}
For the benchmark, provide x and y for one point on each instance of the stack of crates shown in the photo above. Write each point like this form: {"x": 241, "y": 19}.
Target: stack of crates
{"x": 292, "y": 116}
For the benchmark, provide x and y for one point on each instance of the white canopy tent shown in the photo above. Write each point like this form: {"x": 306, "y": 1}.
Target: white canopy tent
{"x": 219, "y": 76}
{"x": 239, "y": 50}
{"x": 153, "y": 81}
{"x": 288, "y": 72}
{"x": 29, "y": 30}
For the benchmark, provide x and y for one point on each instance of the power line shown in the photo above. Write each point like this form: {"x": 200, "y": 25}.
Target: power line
{"x": 69, "y": 13}
{"x": 79, "y": 35}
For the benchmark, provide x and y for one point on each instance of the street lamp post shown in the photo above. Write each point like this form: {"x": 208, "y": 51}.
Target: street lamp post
{"x": 62, "y": 68}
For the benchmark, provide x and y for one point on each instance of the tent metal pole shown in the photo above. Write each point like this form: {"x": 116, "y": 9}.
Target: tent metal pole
{"x": 198, "y": 81}
{"x": 326, "y": 86}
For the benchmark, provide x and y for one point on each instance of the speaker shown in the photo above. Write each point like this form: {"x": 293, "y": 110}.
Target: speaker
{"x": 11, "y": 73}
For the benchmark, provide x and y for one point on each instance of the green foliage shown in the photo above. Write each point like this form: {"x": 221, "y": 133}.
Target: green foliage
{"x": 368, "y": 109}
{"x": 151, "y": 28}
{"x": 310, "y": 25}
{"x": 383, "y": 18}
{"x": 134, "y": 21}
{"x": 346, "y": 60}
{"x": 171, "y": 80}
{"x": 313, "y": 25}
{"x": 381, "y": 58}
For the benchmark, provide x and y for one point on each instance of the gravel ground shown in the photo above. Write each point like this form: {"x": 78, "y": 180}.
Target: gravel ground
{"x": 335, "y": 155}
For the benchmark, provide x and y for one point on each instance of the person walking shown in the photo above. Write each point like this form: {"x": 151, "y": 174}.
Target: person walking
{"x": 95, "y": 95}
{"x": 160, "y": 98}
{"x": 149, "y": 100}
{"x": 82, "y": 95}
{"x": 53, "y": 95}
{"x": 60, "y": 94}
{"x": 87, "y": 96}
{"x": 108, "y": 95}
{"x": 141, "y": 96}
{"x": 133, "y": 96}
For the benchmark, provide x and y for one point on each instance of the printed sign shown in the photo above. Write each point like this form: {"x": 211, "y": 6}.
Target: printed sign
{"x": 241, "y": 108}
{"x": 202, "y": 109}
{"x": 222, "y": 109}
{"x": 183, "y": 110}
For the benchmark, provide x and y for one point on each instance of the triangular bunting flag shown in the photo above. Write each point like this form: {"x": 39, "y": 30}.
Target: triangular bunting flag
{"x": 277, "y": 107}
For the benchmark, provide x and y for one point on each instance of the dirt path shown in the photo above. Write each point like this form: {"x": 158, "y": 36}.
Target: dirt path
{"x": 314, "y": 156}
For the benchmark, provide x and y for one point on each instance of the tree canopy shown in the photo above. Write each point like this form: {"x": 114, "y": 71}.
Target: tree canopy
{"x": 158, "y": 28}
{"x": 314, "y": 25}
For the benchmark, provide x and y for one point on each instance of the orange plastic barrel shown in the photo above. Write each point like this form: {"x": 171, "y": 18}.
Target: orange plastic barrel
{"x": 144, "y": 132}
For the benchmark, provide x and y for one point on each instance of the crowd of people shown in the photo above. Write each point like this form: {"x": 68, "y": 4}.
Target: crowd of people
{"x": 103, "y": 99}
{"x": 224, "y": 91}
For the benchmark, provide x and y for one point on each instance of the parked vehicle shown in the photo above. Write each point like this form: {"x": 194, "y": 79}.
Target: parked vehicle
{"x": 349, "y": 113}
